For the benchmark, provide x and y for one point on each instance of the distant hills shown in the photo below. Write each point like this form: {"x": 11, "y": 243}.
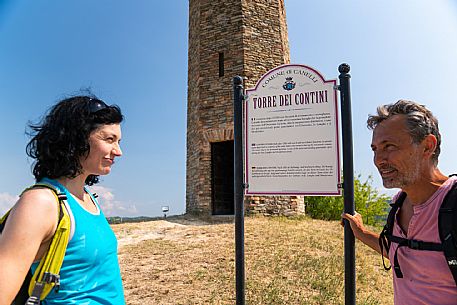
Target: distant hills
{"x": 119, "y": 219}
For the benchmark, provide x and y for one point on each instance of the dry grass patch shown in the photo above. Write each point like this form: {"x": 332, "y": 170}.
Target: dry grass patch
{"x": 288, "y": 261}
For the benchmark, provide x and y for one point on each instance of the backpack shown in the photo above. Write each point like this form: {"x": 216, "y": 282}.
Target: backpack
{"x": 447, "y": 227}
{"x": 46, "y": 277}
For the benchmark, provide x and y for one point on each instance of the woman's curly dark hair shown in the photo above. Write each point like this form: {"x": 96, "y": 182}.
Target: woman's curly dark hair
{"x": 62, "y": 137}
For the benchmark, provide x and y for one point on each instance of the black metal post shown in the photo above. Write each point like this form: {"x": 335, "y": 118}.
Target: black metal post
{"x": 238, "y": 93}
{"x": 348, "y": 175}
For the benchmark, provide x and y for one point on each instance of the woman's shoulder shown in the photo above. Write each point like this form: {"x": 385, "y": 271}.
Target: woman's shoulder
{"x": 37, "y": 204}
{"x": 39, "y": 196}
{"x": 33, "y": 217}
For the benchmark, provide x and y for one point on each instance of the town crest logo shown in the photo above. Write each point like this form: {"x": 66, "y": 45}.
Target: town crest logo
{"x": 289, "y": 84}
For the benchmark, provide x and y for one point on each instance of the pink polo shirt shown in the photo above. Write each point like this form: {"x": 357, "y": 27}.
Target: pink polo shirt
{"x": 426, "y": 278}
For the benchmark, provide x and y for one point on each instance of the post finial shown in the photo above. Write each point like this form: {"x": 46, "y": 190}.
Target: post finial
{"x": 344, "y": 68}
{"x": 237, "y": 80}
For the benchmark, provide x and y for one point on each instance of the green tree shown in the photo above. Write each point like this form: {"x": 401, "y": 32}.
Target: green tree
{"x": 372, "y": 205}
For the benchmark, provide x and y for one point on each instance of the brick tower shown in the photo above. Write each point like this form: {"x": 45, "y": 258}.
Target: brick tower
{"x": 226, "y": 38}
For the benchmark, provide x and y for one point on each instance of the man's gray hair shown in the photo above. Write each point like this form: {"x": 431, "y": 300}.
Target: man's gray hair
{"x": 419, "y": 120}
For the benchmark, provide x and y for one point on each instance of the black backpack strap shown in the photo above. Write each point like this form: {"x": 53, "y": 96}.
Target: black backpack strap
{"x": 447, "y": 224}
{"x": 384, "y": 240}
{"x": 412, "y": 244}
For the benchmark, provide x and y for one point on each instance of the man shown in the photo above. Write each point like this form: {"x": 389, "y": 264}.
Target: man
{"x": 406, "y": 145}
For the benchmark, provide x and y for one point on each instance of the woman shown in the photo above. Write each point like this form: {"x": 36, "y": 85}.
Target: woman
{"x": 75, "y": 143}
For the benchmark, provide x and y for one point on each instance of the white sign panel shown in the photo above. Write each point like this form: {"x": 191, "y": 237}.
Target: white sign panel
{"x": 291, "y": 134}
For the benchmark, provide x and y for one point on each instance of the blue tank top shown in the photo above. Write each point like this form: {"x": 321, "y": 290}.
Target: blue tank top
{"x": 90, "y": 271}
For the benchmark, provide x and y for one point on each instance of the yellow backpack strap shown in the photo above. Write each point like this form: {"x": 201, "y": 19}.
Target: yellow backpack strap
{"x": 3, "y": 220}
{"x": 46, "y": 276}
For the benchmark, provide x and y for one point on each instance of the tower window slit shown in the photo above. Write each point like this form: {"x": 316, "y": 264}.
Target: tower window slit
{"x": 221, "y": 64}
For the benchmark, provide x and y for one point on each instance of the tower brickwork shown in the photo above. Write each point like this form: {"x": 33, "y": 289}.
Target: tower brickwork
{"x": 226, "y": 38}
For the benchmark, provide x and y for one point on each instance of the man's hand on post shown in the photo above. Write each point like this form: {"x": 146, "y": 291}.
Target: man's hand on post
{"x": 360, "y": 232}
{"x": 356, "y": 223}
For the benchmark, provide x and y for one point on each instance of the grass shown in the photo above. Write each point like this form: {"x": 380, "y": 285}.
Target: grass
{"x": 288, "y": 261}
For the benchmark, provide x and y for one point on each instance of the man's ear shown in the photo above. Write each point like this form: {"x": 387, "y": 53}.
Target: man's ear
{"x": 429, "y": 144}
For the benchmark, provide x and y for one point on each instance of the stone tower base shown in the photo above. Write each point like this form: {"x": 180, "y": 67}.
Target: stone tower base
{"x": 275, "y": 205}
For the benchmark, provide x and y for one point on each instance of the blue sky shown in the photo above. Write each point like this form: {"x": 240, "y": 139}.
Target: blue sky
{"x": 134, "y": 54}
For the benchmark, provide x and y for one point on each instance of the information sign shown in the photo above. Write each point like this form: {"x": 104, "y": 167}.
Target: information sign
{"x": 291, "y": 134}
